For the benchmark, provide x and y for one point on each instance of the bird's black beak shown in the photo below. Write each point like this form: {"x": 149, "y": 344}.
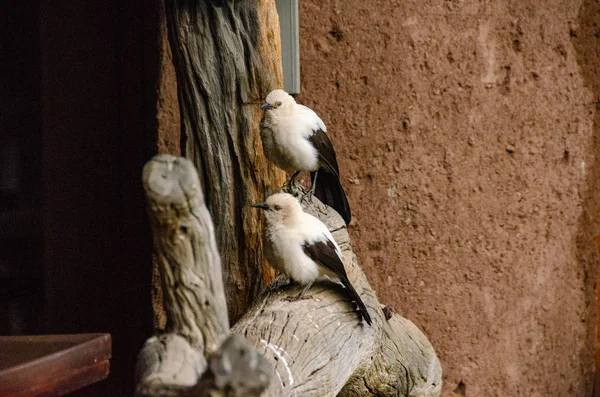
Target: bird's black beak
{"x": 267, "y": 106}
{"x": 263, "y": 206}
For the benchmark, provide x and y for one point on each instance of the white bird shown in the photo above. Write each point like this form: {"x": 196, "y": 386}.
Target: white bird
{"x": 295, "y": 139}
{"x": 300, "y": 246}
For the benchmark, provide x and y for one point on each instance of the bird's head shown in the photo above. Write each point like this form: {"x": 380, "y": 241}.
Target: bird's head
{"x": 280, "y": 207}
{"x": 278, "y": 101}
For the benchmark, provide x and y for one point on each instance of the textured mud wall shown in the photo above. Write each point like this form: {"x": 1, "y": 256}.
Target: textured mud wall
{"x": 467, "y": 135}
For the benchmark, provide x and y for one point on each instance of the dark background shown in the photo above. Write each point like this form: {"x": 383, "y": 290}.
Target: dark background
{"x": 78, "y": 86}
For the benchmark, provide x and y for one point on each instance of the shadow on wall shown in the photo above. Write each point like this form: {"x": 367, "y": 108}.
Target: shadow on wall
{"x": 585, "y": 36}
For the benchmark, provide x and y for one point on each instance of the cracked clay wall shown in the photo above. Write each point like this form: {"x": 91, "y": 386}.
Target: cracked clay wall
{"x": 467, "y": 135}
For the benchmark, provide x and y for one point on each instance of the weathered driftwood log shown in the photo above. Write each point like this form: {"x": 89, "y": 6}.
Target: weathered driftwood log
{"x": 227, "y": 57}
{"x": 188, "y": 259}
{"x": 319, "y": 347}
{"x": 316, "y": 347}
{"x": 175, "y": 364}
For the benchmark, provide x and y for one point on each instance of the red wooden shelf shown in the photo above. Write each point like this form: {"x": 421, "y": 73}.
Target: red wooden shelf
{"x": 52, "y": 365}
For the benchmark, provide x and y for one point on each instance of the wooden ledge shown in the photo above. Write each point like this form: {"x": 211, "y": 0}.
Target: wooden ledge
{"x": 52, "y": 365}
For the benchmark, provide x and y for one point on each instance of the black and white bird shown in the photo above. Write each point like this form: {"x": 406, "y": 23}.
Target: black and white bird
{"x": 296, "y": 140}
{"x": 300, "y": 246}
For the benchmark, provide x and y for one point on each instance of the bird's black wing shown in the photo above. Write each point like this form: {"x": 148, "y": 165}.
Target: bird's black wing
{"x": 321, "y": 142}
{"x": 329, "y": 188}
{"x": 325, "y": 254}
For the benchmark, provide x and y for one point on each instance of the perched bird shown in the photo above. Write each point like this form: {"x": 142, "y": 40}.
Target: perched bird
{"x": 300, "y": 246}
{"x": 295, "y": 139}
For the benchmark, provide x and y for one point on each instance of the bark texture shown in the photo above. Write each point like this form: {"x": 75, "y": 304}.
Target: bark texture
{"x": 195, "y": 356}
{"x": 227, "y": 58}
{"x": 188, "y": 259}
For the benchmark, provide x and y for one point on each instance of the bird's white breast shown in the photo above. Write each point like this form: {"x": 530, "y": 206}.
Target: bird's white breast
{"x": 284, "y": 248}
{"x": 285, "y": 139}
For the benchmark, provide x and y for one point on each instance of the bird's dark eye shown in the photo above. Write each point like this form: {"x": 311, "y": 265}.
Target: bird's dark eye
{"x": 276, "y": 207}
{"x": 278, "y": 103}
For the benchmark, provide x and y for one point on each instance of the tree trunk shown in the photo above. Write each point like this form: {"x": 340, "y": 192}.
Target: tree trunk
{"x": 227, "y": 57}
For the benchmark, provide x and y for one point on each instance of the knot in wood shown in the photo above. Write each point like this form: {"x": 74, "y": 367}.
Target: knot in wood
{"x": 238, "y": 366}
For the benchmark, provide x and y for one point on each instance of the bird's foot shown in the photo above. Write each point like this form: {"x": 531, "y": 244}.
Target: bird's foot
{"x": 307, "y": 197}
{"x": 290, "y": 188}
{"x": 297, "y": 298}
{"x": 301, "y": 295}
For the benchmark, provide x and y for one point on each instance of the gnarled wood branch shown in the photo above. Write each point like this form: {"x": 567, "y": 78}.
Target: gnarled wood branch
{"x": 175, "y": 364}
{"x": 315, "y": 347}
{"x": 319, "y": 347}
{"x": 188, "y": 259}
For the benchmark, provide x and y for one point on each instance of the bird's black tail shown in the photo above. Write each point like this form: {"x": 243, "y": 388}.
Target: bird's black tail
{"x": 330, "y": 191}
{"x": 356, "y": 298}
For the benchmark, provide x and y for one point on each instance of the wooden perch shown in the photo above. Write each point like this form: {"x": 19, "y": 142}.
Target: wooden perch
{"x": 175, "y": 364}
{"x": 319, "y": 347}
{"x": 314, "y": 347}
{"x": 188, "y": 259}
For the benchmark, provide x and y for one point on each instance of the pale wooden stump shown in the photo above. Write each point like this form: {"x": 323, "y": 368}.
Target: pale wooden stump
{"x": 196, "y": 355}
